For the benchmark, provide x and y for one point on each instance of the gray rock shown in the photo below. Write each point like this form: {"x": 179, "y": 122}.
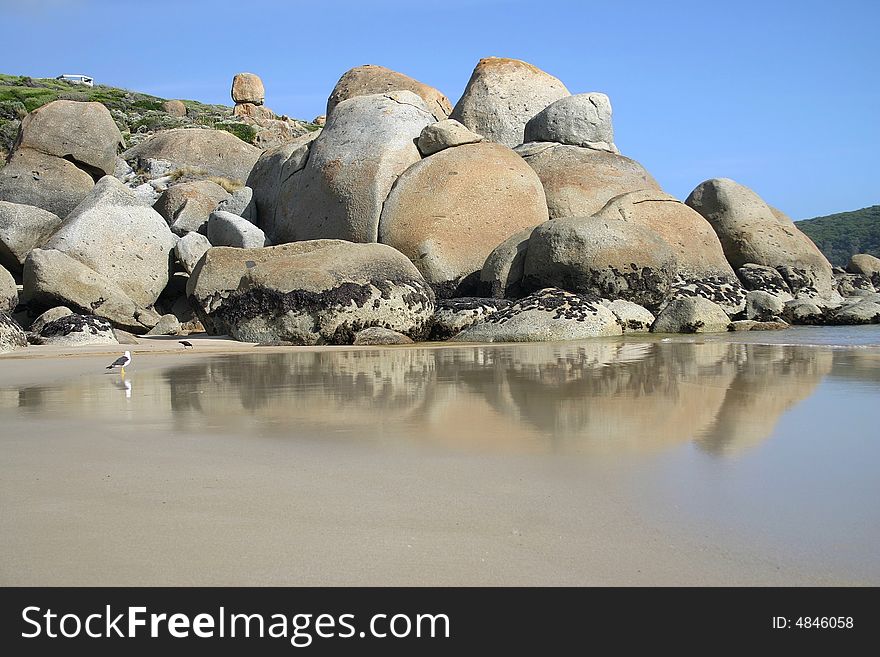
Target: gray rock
{"x": 579, "y": 120}
{"x": 751, "y": 232}
{"x": 447, "y": 212}
{"x": 117, "y": 237}
{"x": 213, "y": 152}
{"x": 22, "y": 228}
{"x": 49, "y": 316}
{"x": 691, "y": 315}
{"x": 445, "y": 134}
{"x": 631, "y": 316}
{"x": 502, "y": 95}
{"x": 371, "y": 79}
{"x": 866, "y": 265}
{"x": 44, "y": 181}
{"x": 326, "y": 295}
{"x": 803, "y": 311}
{"x": 502, "y": 272}
{"x": 187, "y": 206}
{"x": 853, "y": 284}
{"x": 8, "y": 291}
{"x": 367, "y": 143}
{"x": 864, "y": 312}
{"x": 227, "y": 229}
{"x": 189, "y": 250}
{"x": 75, "y": 329}
{"x": 377, "y": 335}
{"x": 766, "y": 279}
{"x": 752, "y": 325}
{"x": 83, "y": 133}
{"x": 12, "y": 336}
{"x": 167, "y": 325}
{"x": 545, "y": 316}
{"x": 764, "y": 306}
{"x": 604, "y": 257}
{"x": 51, "y": 277}
{"x": 277, "y": 171}
{"x": 578, "y": 182}
{"x": 454, "y": 315}
{"x": 240, "y": 203}
{"x": 124, "y": 337}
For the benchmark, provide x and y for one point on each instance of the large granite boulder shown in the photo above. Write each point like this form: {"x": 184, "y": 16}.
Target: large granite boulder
{"x": 23, "y": 228}
{"x": 579, "y": 120}
{"x": 116, "y": 236}
{"x": 750, "y": 232}
{"x": 367, "y": 143}
{"x": 327, "y": 295}
{"x": 12, "y": 336}
{"x": 44, "y": 181}
{"x": 766, "y": 279}
{"x": 502, "y": 273}
{"x": 248, "y": 88}
{"x": 547, "y": 315}
{"x": 632, "y": 317}
{"x": 214, "y": 152}
{"x": 454, "y": 315}
{"x": 8, "y": 291}
{"x": 866, "y": 265}
{"x": 502, "y": 95}
{"x": 578, "y": 182}
{"x": 448, "y": 211}
{"x": 49, "y": 316}
{"x": 187, "y": 206}
{"x": 372, "y": 79}
{"x": 601, "y": 256}
{"x": 83, "y": 133}
{"x": 51, "y": 278}
{"x": 277, "y": 172}
{"x": 74, "y": 329}
{"x": 863, "y": 312}
{"x": 691, "y": 315}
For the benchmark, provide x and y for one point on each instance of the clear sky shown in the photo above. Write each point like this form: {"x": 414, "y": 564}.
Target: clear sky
{"x": 781, "y": 96}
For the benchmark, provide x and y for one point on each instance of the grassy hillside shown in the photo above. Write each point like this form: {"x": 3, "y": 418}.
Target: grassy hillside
{"x": 137, "y": 115}
{"x": 841, "y": 235}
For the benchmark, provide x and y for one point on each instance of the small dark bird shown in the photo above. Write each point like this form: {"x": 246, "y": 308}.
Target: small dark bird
{"x": 121, "y": 362}
{"x": 186, "y": 344}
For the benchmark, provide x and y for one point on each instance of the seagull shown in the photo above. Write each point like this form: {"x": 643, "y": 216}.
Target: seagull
{"x": 186, "y": 344}
{"x": 121, "y": 362}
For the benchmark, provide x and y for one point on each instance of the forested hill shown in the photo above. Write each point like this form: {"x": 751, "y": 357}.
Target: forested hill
{"x": 841, "y": 235}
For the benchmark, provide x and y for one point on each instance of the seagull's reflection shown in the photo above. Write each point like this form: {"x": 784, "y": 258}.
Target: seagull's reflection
{"x": 124, "y": 384}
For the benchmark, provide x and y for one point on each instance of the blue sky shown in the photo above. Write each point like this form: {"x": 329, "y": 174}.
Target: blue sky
{"x": 781, "y": 96}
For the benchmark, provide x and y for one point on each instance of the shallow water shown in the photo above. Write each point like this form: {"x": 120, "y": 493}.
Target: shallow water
{"x": 729, "y": 459}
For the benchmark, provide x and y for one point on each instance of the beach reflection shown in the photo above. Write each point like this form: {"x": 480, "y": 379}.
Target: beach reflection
{"x": 589, "y": 398}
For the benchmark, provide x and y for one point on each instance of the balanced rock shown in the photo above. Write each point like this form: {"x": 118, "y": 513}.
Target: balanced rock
{"x": 327, "y": 295}
{"x": 502, "y": 273}
{"x": 502, "y": 95}
{"x": 248, "y": 88}
{"x": 691, "y": 315}
{"x": 578, "y": 182}
{"x": 74, "y": 329}
{"x": 750, "y": 232}
{"x": 12, "y": 336}
{"x": 601, "y": 256}
{"x": 23, "y": 228}
{"x": 227, "y": 229}
{"x": 8, "y": 291}
{"x": 454, "y": 315}
{"x": 367, "y": 143}
{"x": 116, "y": 236}
{"x": 445, "y": 134}
{"x": 632, "y": 317}
{"x": 371, "y": 79}
{"x": 580, "y": 120}
{"x": 44, "y": 181}
{"x": 378, "y": 335}
{"x": 83, "y": 133}
{"x": 209, "y": 152}
{"x": 866, "y": 265}
{"x": 448, "y": 211}
{"x": 187, "y": 206}
{"x": 189, "y": 250}
{"x": 174, "y": 108}
{"x": 50, "y": 277}
{"x": 545, "y": 316}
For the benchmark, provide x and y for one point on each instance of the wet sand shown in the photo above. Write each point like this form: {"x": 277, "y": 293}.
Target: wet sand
{"x": 687, "y": 462}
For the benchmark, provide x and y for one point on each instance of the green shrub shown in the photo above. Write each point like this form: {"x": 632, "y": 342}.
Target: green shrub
{"x": 243, "y": 131}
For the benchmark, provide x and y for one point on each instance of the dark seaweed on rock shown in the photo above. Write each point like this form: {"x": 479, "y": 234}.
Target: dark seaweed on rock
{"x": 75, "y": 323}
